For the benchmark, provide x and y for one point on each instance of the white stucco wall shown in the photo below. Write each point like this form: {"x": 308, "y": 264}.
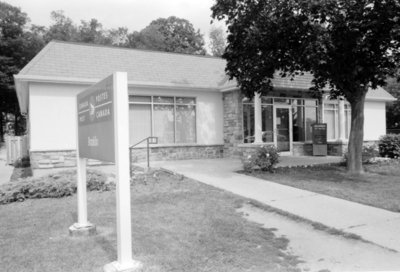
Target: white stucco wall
{"x": 52, "y": 114}
{"x": 374, "y": 120}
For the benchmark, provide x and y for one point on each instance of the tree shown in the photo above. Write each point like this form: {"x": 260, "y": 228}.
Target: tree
{"x": 62, "y": 29}
{"x": 134, "y": 40}
{"x": 348, "y": 46}
{"x": 118, "y": 37}
{"x": 171, "y": 35}
{"x": 91, "y": 32}
{"x": 18, "y": 44}
{"x": 217, "y": 41}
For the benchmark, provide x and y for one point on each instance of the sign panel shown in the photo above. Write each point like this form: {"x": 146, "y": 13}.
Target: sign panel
{"x": 319, "y": 134}
{"x": 96, "y": 121}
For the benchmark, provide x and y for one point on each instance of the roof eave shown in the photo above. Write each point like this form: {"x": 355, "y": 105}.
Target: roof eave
{"x": 380, "y": 99}
{"x": 91, "y": 81}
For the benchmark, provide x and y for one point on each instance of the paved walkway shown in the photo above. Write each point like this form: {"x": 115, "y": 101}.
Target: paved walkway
{"x": 378, "y": 226}
{"x": 5, "y": 169}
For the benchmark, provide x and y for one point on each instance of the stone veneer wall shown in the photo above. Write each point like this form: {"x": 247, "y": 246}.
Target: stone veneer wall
{"x": 306, "y": 149}
{"x": 300, "y": 149}
{"x": 177, "y": 152}
{"x": 337, "y": 148}
{"x": 233, "y": 123}
{"x": 57, "y": 159}
{"x": 52, "y": 159}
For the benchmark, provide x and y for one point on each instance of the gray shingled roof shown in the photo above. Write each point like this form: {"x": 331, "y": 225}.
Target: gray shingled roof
{"x": 87, "y": 61}
{"x": 61, "y": 59}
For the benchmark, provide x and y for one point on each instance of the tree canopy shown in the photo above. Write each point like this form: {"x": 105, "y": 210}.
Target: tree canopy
{"x": 217, "y": 41}
{"x": 171, "y": 34}
{"x": 348, "y": 46}
{"x": 18, "y": 45}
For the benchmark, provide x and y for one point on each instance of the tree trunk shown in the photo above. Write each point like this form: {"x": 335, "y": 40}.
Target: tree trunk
{"x": 356, "y": 139}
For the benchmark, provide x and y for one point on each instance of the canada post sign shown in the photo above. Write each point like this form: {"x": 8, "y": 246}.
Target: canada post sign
{"x": 96, "y": 121}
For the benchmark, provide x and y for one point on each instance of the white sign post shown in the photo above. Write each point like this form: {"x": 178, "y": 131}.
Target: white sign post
{"x": 122, "y": 163}
{"x": 103, "y": 133}
{"x": 83, "y": 227}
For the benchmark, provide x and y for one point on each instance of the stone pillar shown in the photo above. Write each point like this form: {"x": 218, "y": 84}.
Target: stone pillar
{"x": 342, "y": 121}
{"x": 257, "y": 119}
{"x": 233, "y": 123}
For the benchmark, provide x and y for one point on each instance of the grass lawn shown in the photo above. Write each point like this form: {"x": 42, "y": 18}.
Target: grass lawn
{"x": 378, "y": 187}
{"x": 177, "y": 225}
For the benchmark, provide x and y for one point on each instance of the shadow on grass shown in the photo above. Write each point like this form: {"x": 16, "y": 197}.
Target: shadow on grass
{"x": 379, "y": 186}
{"x": 106, "y": 245}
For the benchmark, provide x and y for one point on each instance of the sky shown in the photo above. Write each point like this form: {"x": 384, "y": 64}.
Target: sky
{"x": 133, "y": 14}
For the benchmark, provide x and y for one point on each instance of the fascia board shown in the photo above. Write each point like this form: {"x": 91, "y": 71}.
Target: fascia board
{"x": 90, "y": 81}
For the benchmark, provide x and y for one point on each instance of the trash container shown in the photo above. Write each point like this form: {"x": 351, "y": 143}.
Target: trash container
{"x": 319, "y": 136}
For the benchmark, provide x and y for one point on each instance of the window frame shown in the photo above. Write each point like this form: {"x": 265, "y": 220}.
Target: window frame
{"x": 152, "y": 103}
{"x": 347, "y": 113}
{"x": 335, "y": 111}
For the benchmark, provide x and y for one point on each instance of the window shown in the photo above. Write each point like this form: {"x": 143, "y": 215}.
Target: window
{"x": 248, "y": 121}
{"x": 331, "y": 118}
{"x": 347, "y": 114}
{"x": 185, "y": 120}
{"x": 267, "y": 123}
{"x": 298, "y": 123}
{"x": 304, "y": 114}
{"x": 171, "y": 119}
{"x": 310, "y": 114}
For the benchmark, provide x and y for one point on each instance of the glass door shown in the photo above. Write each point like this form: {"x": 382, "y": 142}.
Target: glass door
{"x": 283, "y": 128}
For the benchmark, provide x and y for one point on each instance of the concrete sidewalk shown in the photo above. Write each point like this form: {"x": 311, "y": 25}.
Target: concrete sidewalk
{"x": 5, "y": 169}
{"x": 378, "y": 226}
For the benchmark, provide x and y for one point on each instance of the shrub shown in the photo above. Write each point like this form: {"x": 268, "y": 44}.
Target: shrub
{"x": 57, "y": 185}
{"x": 31, "y": 188}
{"x": 97, "y": 181}
{"x": 389, "y": 145}
{"x": 265, "y": 158}
{"x": 369, "y": 153}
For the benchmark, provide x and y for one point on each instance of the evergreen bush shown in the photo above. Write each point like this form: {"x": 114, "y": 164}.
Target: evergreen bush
{"x": 389, "y": 146}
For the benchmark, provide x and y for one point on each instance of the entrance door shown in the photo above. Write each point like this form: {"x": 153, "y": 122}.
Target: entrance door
{"x": 283, "y": 128}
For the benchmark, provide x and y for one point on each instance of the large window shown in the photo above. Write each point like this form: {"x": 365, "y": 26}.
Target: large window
{"x": 171, "y": 119}
{"x": 331, "y": 118}
{"x": 347, "y": 113}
